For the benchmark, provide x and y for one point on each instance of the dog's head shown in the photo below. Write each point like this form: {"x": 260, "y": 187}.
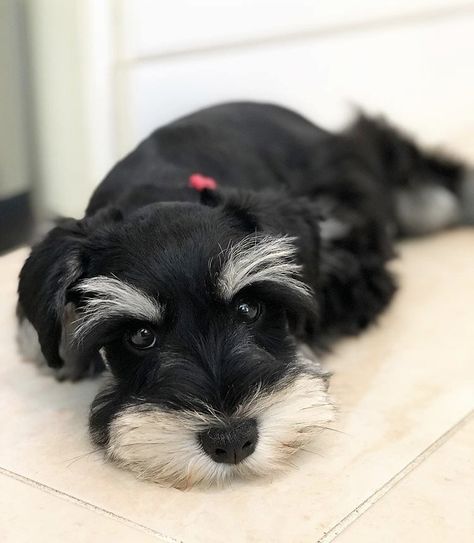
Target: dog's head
{"x": 197, "y": 316}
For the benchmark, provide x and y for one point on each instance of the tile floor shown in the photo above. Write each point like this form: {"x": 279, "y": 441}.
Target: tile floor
{"x": 400, "y": 469}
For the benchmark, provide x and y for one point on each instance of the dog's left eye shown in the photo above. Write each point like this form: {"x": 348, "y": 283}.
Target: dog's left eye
{"x": 248, "y": 311}
{"x": 142, "y": 338}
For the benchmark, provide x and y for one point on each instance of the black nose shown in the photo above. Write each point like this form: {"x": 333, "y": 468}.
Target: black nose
{"x": 230, "y": 445}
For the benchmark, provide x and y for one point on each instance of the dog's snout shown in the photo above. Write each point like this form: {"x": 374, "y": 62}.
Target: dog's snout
{"x": 232, "y": 444}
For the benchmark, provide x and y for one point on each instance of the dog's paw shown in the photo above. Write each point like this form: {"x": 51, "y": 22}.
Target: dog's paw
{"x": 28, "y": 344}
{"x": 74, "y": 369}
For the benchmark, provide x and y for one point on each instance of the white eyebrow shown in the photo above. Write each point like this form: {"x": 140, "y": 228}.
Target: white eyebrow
{"x": 258, "y": 258}
{"x": 111, "y": 297}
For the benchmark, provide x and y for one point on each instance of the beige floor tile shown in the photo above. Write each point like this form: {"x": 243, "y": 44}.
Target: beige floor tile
{"x": 434, "y": 503}
{"x": 31, "y": 515}
{"x": 400, "y": 387}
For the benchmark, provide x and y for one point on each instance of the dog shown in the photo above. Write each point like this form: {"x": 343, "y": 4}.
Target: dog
{"x": 214, "y": 265}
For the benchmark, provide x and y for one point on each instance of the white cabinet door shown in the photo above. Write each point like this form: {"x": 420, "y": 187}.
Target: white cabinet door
{"x": 151, "y": 27}
{"x": 421, "y": 75}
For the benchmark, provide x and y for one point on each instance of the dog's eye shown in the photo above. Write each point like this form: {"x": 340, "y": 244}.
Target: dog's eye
{"x": 248, "y": 311}
{"x": 142, "y": 338}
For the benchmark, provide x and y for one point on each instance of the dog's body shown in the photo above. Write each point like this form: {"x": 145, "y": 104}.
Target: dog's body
{"x": 200, "y": 302}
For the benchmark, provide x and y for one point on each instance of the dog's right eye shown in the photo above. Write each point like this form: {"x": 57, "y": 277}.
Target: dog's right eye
{"x": 142, "y": 338}
{"x": 248, "y": 311}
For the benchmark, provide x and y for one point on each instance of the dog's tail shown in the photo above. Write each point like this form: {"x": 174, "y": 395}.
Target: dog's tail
{"x": 430, "y": 191}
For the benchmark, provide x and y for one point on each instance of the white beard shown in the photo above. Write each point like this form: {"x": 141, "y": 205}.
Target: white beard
{"x": 162, "y": 445}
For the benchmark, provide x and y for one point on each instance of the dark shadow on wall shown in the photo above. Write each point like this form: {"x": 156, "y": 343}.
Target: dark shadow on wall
{"x": 16, "y": 221}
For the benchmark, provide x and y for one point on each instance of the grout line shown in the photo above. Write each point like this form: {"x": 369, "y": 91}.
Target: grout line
{"x": 356, "y": 513}
{"x": 81, "y": 503}
{"x": 335, "y": 29}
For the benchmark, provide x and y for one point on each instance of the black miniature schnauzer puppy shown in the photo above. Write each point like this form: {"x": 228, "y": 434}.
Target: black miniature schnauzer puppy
{"x": 209, "y": 261}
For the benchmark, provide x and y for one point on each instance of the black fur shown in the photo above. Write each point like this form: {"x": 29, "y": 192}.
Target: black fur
{"x": 277, "y": 173}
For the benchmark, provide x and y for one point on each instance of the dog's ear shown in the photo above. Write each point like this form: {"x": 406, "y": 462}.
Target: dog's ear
{"x": 273, "y": 212}
{"x": 244, "y": 206}
{"x": 53, "y": 266}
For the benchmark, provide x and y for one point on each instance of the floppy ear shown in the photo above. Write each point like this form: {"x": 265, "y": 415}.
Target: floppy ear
{"x": 53, "y": 266}
{"x": 241, "y": 205}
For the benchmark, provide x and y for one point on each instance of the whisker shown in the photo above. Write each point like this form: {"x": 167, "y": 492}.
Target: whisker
{"x": 312, "y": 452}
{"x": 77, "y": 458}
{"x": 332, "y": 429}
{"x": 287, "y": 462}
{"x": 139, "y": 443}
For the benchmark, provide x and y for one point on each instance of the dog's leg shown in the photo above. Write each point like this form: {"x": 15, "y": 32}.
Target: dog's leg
{"x": 76, "y": 365}
{"x": 429, "y": 191}
{"x": 431, "y": 206}
{"x": 355, "y": 285}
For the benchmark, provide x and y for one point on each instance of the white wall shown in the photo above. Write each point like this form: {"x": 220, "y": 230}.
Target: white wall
{"x": 72, "y": 99}
{"x": 14, "y": 163}
{"x": 108, "y": 72}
